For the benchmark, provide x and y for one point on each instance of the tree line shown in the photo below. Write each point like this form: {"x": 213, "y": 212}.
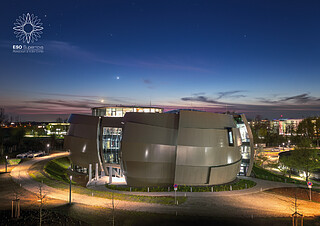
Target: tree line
{"x": 305, "y": 156}
{"x": 264, "y": 131}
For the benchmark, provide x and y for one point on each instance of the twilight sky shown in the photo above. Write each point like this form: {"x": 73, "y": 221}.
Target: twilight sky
{"x": 255, "y": 57}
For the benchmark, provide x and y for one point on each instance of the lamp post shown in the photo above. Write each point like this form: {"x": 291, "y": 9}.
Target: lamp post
{"x": 70, "y": 177}
{"x": 48, "y": 148}
{"x": 6, "y": 164}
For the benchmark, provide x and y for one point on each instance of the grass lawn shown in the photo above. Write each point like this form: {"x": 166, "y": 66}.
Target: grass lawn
{"x": 237, "y": 185}
{"x": 267, "y": 175}
{"x": 56, "y": 176}
{"x": 14, "y": 161}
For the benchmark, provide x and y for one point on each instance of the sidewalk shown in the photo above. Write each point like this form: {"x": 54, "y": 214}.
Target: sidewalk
{"x": 20, "y": 175}
{"x": 261, "y": 185}
{"x": 241, "y": 203}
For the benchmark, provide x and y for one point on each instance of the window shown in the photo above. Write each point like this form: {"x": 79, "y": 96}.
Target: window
{"x": 111, "y": 144}
{"x": 230, "y": 137}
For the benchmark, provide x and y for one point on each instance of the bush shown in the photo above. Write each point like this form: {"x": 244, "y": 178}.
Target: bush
{"x": 238, "y": 185}
{"x": 261, "y": 173}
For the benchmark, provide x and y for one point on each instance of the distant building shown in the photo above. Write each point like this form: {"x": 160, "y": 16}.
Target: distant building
{"x": 281, "y": 126}
{"x": 285, "y": 126}
{"x": 121, "y": 110}
{"x": 59, "y": 129}
{"x": 45, "y": 129}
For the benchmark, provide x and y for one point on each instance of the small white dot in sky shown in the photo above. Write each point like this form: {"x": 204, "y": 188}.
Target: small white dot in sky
{"x": 118, "y": 77}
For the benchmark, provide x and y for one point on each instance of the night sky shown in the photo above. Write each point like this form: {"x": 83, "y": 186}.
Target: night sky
{"x": 255, "y": 57}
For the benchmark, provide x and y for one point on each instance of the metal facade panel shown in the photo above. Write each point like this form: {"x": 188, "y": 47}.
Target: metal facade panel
{"x": 112, "y": 122}
{"x": 203, "y": 120}
{"x": 251, "y": 144}
{"x": 208, "y": 132}
{"x": 148, "y": 154}
{"x": 83, "y": 119}
{"x": 203, "y": 137}
{"x": 82, "y": 140}
{"x": 144, "y": 152}
{"x": 149, "y": 173}
{"x": 191, "y": 175}
{"x": 142, "y": 133}
{"x": 82, "y": 151}
{"x": 225, "y": 174}
{"x": 83, "y": 130}
{"x": 207, "y": 156}
{"x": 153, "y": 119}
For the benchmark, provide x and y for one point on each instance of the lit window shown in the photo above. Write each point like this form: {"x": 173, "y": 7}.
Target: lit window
{"x": 230, "y": 137}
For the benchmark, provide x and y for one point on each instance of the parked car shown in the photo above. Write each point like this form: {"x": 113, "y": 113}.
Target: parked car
{"x": 22, "y": 155}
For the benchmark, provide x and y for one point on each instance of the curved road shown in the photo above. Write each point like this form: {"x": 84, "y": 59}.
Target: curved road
{"x": 249, "y": 203}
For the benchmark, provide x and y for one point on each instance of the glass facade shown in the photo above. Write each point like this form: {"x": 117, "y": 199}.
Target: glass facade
{"x": 111, "y": 142}
{"x": 245, "y": 147}
{"x": 111, "y": 136}
{"x": 121, "y": 111}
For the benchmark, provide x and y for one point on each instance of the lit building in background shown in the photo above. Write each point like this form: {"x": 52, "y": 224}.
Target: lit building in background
{"x": 120, "y": 111}
{"x": 59, "y": 129}
{"x": 45, "y": 129}
{"x": 285, "y": 126}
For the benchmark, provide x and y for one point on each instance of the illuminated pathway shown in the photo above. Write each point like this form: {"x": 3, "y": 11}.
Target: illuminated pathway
{"x": 245, "y": 203}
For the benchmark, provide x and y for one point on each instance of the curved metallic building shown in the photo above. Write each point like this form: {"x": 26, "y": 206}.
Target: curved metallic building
{"x": 191, "y": 148}
{"x": 155, "y": 149}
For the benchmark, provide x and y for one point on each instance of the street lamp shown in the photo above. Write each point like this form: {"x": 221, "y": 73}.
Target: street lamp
{"x": 70, "y": 177}
{"x": 48, "y": 148}
{"x": 6, "y": 164}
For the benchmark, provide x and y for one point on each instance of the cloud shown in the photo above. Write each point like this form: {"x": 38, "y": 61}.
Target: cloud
{"x": 231, "y": 94}
{"x": 73, "y": 51}
{"x": 63, "y": 103}
{"x": 198, "y": 94}
{"x": 91, "y": 98}
{"x": 200, "y": 98}
{"x": 75, "y": 104}
{"x": 302, "y": 104}
{"x": 303, "y": 98}
{"x": 147, "y": 81}
{"x": 50, "y": 106}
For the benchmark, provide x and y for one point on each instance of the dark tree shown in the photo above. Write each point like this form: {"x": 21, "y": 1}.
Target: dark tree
{"x": 305, "y": 159}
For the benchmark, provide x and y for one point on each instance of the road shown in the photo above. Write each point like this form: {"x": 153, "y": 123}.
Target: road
{"x": 253, "y": 202}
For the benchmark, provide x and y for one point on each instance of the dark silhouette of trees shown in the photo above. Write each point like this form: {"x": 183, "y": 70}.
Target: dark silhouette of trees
{"x": 264, "y": 132}
{"x": 11, "y": 139}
